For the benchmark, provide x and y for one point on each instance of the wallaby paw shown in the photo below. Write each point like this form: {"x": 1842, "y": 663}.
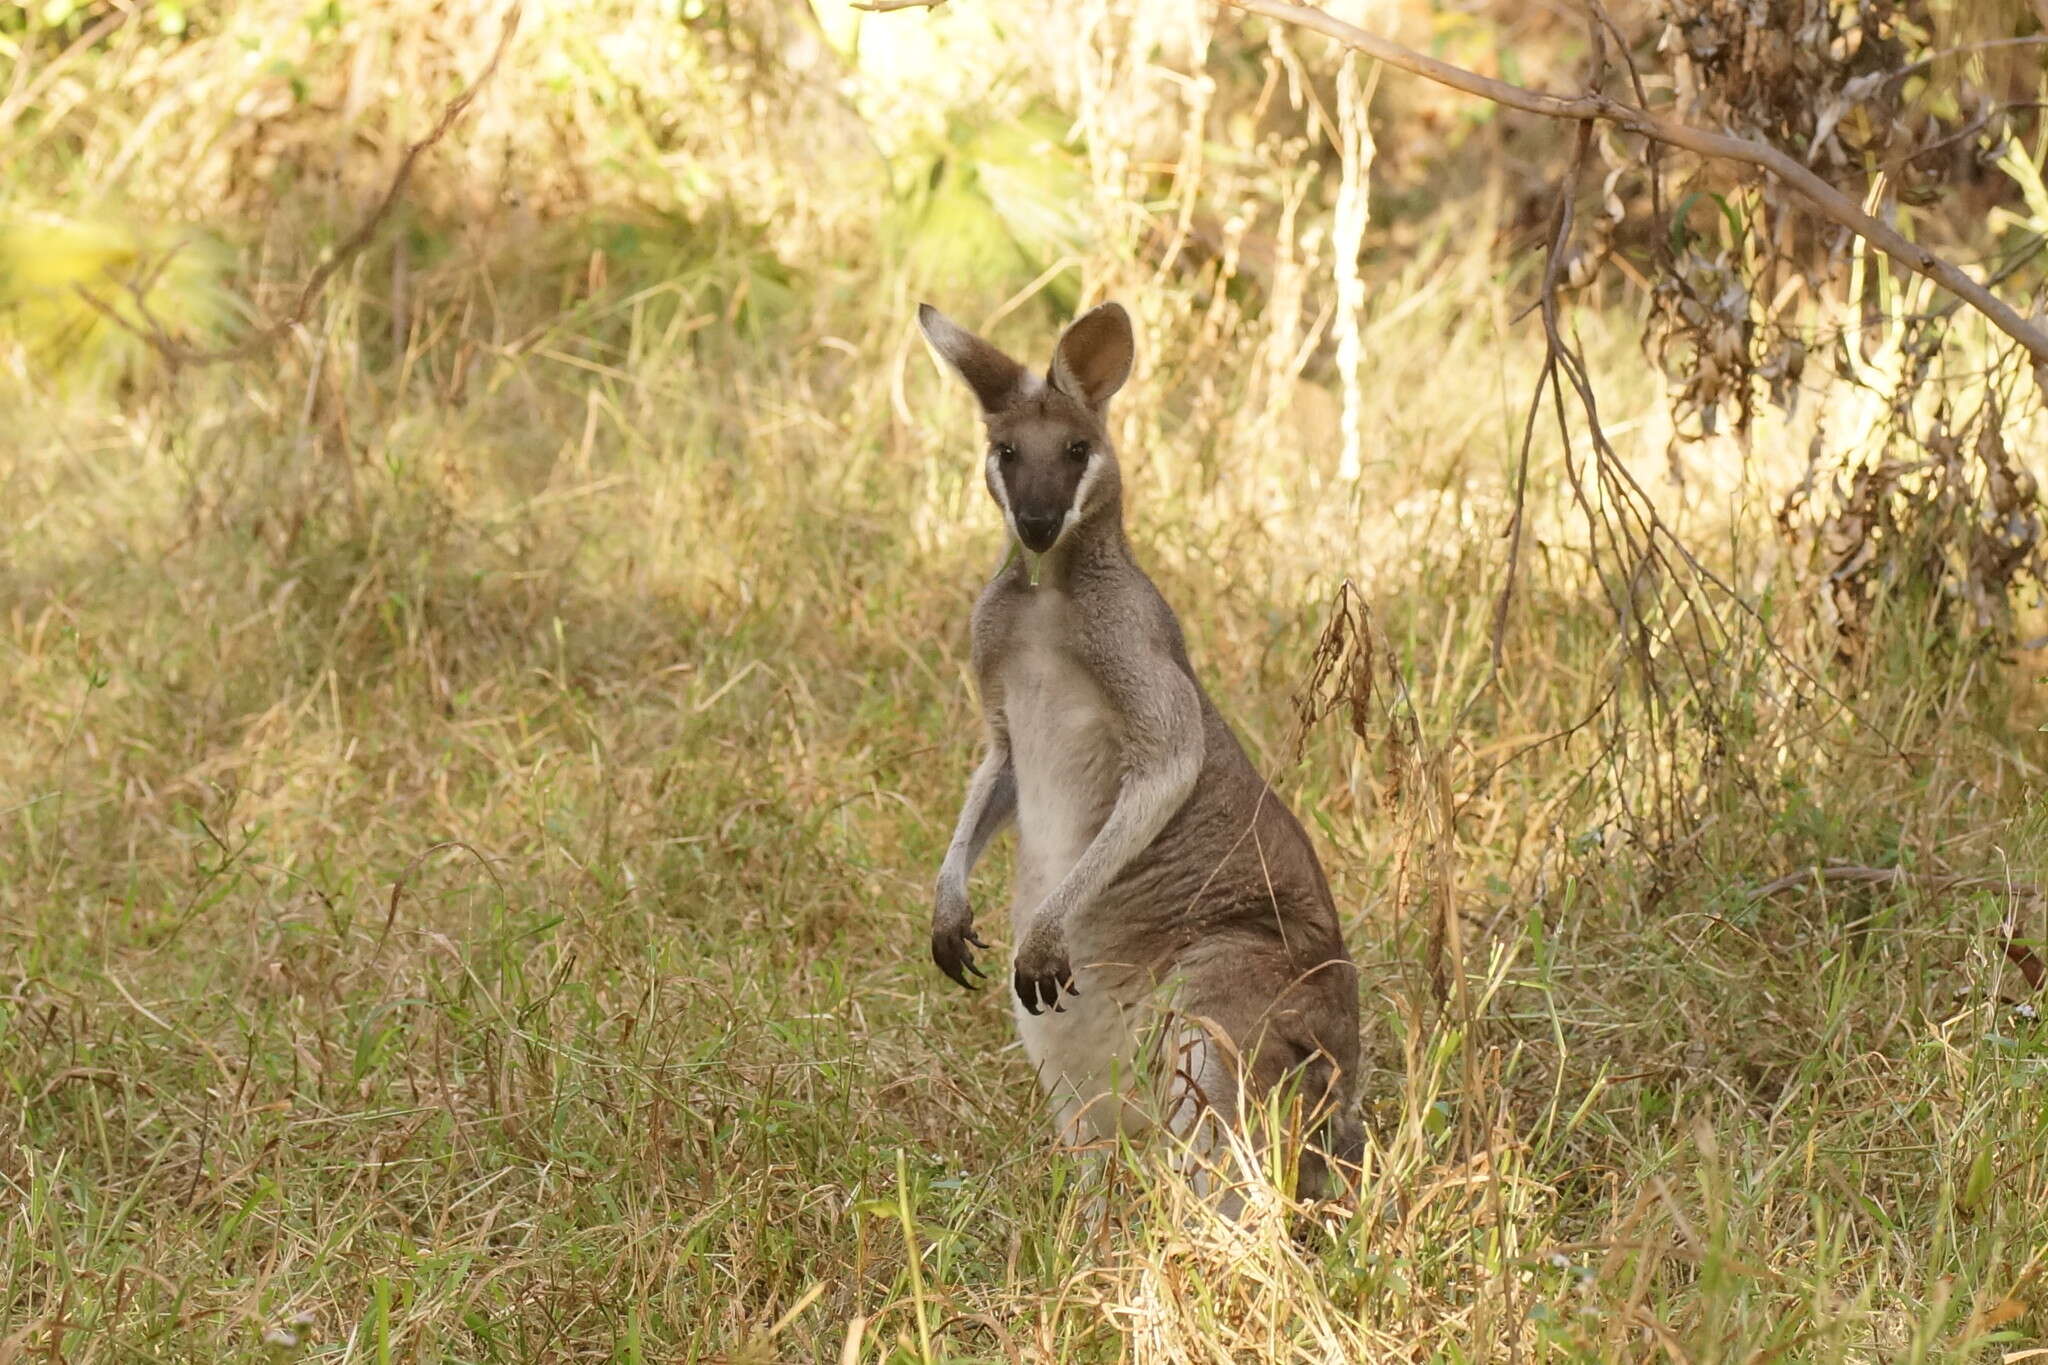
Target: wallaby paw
{"x": 1042, "y": 974}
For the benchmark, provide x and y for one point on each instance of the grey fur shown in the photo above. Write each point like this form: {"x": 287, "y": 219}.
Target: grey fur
{"x": 1155, "y": 866}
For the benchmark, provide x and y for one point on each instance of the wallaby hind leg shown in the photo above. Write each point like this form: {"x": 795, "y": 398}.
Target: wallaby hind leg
{"x": 1201, "y": 1111}
{"x": 1217, "y": 1126}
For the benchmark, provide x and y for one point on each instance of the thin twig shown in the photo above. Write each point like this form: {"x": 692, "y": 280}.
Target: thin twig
{"x": 2030, "y": 964}
{"x": 152, "y": 330}
{"x": 1856, "y": 873}
{"x": 398, "y": 884}
{"x": 27, "y": 90}
{"x": 1640, "y": 541}
{"x": 1553, "y": 269}
{"x": 1522, "y": 751}
{"x": 1635, "y": 80}
{"x": 1598, "y": 107}
{"x": 1965, "y": 134}
{"x": 2027, "y": 40}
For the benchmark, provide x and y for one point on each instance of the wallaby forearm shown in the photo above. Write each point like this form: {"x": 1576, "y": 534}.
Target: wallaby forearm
{"x": 990, "y": 803}
{"x": 1144, "y": 805}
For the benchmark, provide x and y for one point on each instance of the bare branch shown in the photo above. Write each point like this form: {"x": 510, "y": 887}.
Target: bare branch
{"x": 27, "y": 91}
{"x": 1553, "y": 267}
{"x": 891, "y": 6}
{"x": 1595, "y": 106}
{"x": 1989, "y": 44}
{"x": 151, "y": 330}
{"x": 1857, "y": 874}
{"x": 2032, "y": 967}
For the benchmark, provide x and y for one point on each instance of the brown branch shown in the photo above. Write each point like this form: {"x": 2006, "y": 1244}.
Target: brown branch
{"x": 1635, "y": 78}
{"x": 152, "y": 330}
{"x": 891, "y": 6}
{"x": 1989, "y": 44}
{"x": 1597, "y": 107}
{"x": 1553, "y": 269}
{"x": 27, "y": 91}
{"x": 1640, "y": 545}
{"x": 1857, "y": 874}
{"x": 2030, "y": 964}
{"x": 398, "y": 886}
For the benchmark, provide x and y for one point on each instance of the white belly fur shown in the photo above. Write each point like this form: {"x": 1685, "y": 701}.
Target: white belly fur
{"x": 1064, "y": 749}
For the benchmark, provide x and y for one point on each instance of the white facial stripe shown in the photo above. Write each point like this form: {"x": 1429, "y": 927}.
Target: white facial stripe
{"x": 1081, "y": 491}
{"x": 995, "y": 482}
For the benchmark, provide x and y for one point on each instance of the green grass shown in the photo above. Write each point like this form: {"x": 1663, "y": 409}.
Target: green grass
{"x": 470, "y": 805}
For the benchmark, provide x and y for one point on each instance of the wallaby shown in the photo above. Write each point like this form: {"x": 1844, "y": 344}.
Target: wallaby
{"x": 1154, "y": 864}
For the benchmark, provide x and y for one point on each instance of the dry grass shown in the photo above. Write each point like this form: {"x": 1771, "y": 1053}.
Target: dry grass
{"x": 474, "y": 775}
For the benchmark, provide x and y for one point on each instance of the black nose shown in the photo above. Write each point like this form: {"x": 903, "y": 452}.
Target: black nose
{"x": 1039, "y": 530}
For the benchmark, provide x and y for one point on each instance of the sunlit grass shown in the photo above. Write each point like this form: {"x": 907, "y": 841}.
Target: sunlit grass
{"x": 475, "y": 774}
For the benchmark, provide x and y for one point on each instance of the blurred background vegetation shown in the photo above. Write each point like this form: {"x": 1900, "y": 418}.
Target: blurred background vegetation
{"x": 477, "y": 757}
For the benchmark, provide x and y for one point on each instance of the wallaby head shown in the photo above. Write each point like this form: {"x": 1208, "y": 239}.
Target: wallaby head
{"x": 1049, "y": 464}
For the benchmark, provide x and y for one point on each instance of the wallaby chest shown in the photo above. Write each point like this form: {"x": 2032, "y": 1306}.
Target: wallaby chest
{"x": 1065, "y": 739}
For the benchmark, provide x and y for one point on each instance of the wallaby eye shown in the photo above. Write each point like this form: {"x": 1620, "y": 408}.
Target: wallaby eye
{"x": 1077, "y": 451}
{"x": 1005, "y": 451}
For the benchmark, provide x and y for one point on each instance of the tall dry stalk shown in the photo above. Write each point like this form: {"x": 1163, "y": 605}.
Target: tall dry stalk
{"x": 1353, "y": 135}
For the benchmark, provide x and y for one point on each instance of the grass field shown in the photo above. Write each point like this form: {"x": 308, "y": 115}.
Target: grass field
{"x": 473, "y": 772}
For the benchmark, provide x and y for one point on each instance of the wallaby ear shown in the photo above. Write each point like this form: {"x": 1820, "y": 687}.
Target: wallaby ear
{"x": 1094, "y": 356}
{"x": 993, "y": 376}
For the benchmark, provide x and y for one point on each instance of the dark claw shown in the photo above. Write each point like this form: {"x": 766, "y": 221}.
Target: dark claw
{"x": 953, "y": 959}
{"x": 1037, "y": 993}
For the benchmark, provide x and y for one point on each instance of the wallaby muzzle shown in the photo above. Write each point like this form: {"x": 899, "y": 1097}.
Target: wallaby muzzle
{"x": 1038, "y": 530}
